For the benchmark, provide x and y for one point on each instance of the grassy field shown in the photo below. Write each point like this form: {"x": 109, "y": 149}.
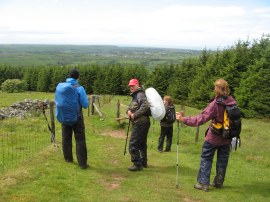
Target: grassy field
{"x": 47, "y": 177}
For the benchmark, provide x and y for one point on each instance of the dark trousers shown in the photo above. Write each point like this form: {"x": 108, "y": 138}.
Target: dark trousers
{"x": 208, "y": 152}
{"x": 168, "y": 133}
{"x": 79, "y": 134}
{"x": 138, "y": 143}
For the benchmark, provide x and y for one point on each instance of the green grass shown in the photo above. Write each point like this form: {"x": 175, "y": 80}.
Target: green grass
{"x": 47, "y": 177}
{"x": 8, "y": 99}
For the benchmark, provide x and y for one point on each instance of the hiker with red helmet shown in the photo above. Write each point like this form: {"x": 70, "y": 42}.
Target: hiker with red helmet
{"x": 138, "y": 112}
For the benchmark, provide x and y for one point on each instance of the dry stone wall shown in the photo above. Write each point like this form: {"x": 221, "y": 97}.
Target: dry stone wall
{"x": 24, "y": 108}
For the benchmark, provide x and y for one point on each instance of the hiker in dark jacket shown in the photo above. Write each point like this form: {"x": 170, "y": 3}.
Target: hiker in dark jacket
{"x": 78, "y": 128}
{"x": 138, "y": 112}
{"x": 214, "y": 112}
{"x": 166, "y": 127}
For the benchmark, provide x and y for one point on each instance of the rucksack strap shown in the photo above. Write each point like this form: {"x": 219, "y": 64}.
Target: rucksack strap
{"x": 79, "y": 112}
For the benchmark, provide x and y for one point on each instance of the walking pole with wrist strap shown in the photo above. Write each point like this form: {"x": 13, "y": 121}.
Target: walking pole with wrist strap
{"x": 125, "y": 150}
{"x": 177, "y": 149}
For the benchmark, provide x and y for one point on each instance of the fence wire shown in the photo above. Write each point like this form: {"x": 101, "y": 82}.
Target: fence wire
{"x": 21, "y": 140}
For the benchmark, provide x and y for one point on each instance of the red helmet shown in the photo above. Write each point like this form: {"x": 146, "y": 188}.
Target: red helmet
{"x": 133, "y": 82}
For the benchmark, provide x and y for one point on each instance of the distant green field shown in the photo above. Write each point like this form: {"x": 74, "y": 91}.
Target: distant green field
{"x": 27, "y": 55}
{"x": 47, "y": 177}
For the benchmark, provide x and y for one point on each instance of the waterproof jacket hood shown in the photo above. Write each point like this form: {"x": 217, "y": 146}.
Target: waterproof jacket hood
{"x": 225, "y": 100}
{"x": 82, "y": 94}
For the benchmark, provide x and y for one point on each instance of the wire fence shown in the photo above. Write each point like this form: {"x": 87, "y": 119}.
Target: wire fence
{"x": 21, "y": 140}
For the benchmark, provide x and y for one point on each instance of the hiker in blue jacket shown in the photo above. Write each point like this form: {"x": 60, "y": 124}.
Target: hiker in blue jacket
{"x": 78, "y": 128}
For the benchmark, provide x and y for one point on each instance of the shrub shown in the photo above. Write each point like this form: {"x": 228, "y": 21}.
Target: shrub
{"x": 13, "y": 86}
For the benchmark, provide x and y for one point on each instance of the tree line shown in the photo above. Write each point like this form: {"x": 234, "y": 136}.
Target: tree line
{"x": 245, "y": 65}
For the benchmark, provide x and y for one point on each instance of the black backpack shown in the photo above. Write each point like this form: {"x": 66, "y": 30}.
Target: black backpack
{"x": 235, "y": 122}
{"x": 232, "y": 123}
{"x": 170, "y": 116}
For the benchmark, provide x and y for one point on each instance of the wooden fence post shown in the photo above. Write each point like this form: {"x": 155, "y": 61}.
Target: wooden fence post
{"x": 118, "y": 112}
{"x": 93, "y": 99}
{"x": 182, "y": 110}
{"x": 197, "y": 133}
{"x": 88, "y": 112}
{"x": 98, "y": 111}
{"x": 98, "y": 101}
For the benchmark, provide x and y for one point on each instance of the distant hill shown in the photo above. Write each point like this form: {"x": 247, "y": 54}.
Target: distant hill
{"x": 29, "y": 55}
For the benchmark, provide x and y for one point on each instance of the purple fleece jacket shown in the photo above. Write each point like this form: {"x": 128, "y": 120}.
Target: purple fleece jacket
{"x": 214, "y": 111}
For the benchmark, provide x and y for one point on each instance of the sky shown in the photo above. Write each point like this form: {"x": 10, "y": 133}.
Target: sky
{"x": 192, "y": 24}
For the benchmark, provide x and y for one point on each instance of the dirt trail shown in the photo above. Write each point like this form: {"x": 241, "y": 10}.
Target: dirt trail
{"x": 115, "y": 133}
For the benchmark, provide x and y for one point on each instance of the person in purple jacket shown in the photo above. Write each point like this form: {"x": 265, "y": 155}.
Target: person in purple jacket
{"x": 214, "y": 112}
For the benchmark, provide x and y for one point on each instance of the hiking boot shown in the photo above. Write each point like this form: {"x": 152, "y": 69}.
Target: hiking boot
{"x": 69, "y": 160}
{"x": 84, "y": 166}
{"x": 214, "y": 184}
{"x": 167, "y": 150}
{"x": 135, "y": 167}
{"x": 160, "y": 151}
{"x": 202, "y": 187}
{"x": 145, "y": 165}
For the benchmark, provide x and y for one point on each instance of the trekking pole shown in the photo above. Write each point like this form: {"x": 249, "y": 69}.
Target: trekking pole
{"x": 153, "y": 132}
{"x": 42, "y": 107}
{"x": 178, "y": 130}
{"x": 125, "y": 150}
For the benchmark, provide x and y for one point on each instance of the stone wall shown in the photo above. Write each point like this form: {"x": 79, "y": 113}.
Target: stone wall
{"x": 24, "y": 108}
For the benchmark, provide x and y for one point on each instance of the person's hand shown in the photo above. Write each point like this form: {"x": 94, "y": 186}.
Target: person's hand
{"x": 180, "y": 116}
{"x": 130, "y": 114}
{"x": 182, "y": 113}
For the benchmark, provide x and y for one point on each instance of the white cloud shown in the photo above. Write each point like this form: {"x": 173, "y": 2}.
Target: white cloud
{"x": 168, "y": 26}
{"x": 263, "y": 12}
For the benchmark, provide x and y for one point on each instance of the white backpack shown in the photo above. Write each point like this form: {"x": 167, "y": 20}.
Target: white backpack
{"x": 156, "y": 104}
